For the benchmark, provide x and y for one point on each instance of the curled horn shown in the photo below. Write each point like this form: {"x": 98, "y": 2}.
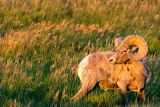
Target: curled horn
{"x": 140, "y": 43}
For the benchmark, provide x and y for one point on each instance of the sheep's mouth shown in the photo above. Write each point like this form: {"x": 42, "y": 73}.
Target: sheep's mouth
{"x": 115, "y": 63}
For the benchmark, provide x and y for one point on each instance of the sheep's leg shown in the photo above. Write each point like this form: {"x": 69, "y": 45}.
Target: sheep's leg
{"x": 123, "y": 91}
{"x": 142, "y": 96}
{"x": 80, "y": 93}
{"x": 138, "y": 71}
{"x": 87, "y": 85}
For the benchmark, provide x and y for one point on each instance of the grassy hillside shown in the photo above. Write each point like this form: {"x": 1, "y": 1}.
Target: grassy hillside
{"x": 42, "y": 42}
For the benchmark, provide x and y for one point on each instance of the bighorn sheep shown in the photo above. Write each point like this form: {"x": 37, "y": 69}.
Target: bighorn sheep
{"x": 126, "y": 53}
{"x": 101, "y": 68}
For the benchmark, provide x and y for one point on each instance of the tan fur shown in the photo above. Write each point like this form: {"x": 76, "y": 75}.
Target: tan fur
{"x": 97, "y": 68}
{"x": 137, "y": 68}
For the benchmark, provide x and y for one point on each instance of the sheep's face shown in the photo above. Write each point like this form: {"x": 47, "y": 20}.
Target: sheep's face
{"x": 133, "y": 47}
{"x": 120, "y": 55}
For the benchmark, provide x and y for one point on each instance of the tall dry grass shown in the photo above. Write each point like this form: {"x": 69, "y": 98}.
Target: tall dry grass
{"x": 42, "y": 42}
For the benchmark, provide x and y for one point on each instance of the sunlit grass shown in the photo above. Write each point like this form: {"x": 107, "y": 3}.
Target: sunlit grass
{"x": 42, "y": 42}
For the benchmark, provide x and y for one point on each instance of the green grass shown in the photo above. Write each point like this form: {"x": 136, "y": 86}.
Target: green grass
{"x": 42, "y": 42}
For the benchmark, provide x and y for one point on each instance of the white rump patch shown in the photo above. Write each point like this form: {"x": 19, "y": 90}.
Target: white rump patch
{"x": 82, "y": 66}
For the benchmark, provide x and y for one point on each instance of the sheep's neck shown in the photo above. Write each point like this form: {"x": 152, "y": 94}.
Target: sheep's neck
{"x": 128, "y": 62}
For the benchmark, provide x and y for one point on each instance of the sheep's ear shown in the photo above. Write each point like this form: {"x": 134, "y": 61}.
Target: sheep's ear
{"x": 118, "y": 41}
{"x": 140, "y": 43}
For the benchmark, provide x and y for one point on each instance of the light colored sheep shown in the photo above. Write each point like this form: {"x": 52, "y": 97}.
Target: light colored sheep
{"x": 98, "y": 68}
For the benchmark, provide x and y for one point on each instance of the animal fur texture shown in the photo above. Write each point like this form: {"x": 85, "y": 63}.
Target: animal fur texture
{"x": 110, "y": 73}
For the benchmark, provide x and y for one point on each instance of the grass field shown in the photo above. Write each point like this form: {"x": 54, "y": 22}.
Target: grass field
{"x": 42, "y": 42}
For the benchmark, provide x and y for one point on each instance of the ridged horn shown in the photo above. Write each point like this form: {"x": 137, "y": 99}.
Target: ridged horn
{"x": 140, "y": 43}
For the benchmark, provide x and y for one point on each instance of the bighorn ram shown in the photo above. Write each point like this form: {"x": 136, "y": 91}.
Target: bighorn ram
{"x": 126, "y": 53}
{"x": 121, "y": 70}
